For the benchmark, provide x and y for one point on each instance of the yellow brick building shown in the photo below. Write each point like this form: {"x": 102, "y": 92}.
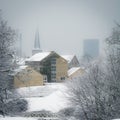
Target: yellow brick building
{"x": 50, "y": 64}
{"x": 26, "y": 76}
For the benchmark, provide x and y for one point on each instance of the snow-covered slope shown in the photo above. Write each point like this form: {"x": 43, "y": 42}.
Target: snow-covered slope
{"x": 54, "y": 98}
{"x": 35, "y": 91}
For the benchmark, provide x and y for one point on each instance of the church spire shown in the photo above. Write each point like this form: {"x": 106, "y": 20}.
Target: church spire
{"x": 37, "y": 46}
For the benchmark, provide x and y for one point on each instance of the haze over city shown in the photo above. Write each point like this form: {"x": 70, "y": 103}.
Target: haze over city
{"x": 62, "y": 24}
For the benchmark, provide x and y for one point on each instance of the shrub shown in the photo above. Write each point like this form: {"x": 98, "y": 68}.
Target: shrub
{"x": 16, "y": 106}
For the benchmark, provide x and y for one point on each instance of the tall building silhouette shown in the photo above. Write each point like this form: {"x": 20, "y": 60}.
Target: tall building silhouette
{"x": 37, "y": 47}
{"x": 91, "y": 48}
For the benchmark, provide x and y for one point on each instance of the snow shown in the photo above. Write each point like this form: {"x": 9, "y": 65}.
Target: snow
{"x": 36, "y": 91}
{"x": 18, "y": 118}
{"x": 20, "y": 61}
{"x": 39, "y": 56}
{"x": 73, "y": 70}
{"x": 53, "y": 102}
{"x": 22, "y": 67}
{"x": 19, "y": 69}
{"x": 68, "y": 57}
{"x": 54, "y": 98}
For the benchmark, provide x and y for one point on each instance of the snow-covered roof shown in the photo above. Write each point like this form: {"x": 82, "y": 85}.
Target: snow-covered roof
{"x": 68, "y": 57}
{"x": 39, "y": 56}
{"x": 73, "y": 70}
{"x": 22, "y": 67}
{"x": 19, "y": 69}
{"x": 21, "y": 61}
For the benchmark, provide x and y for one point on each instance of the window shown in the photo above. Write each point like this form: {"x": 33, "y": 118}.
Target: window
{"x": 53, "y": 75}
{"x": 62, "y": 78}
{"x": 53, "y": 60}
{"x": 53, "y": 68}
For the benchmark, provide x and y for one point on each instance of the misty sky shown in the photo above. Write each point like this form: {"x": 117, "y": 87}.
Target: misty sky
{"x": 63, "y": 24}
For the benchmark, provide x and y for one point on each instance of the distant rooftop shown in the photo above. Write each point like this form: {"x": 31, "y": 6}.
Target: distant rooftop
{"x": 19, "y": 69}
{"x": 68, "y": 57}
{"x": 73, "y": 70}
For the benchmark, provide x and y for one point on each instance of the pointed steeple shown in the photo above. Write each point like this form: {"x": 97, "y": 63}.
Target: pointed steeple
{"x": 37, "y": 46}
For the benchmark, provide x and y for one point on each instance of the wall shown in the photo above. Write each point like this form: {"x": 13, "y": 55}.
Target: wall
{"x": 74, "y": 62}
{"x": 28, "y": 77}
{"x": 61, "y": 69}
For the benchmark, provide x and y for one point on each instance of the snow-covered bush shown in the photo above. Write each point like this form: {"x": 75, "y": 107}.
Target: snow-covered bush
{"x": 113, "y": 74}
{"x": 66, "y": 113}
{"x": 42, "y": 113}
{"x": 7, "y": 39}
{"x": 16, "y": 106}
{"x": 97, "y": 92}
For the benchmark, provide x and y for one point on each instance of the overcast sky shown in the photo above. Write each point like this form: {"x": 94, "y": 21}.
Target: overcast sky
{"x": 63, "y": 24}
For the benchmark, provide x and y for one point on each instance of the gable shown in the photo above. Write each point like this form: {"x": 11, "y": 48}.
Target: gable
{"x": 39, "y": 56}
{"x": 42, "y": 56}
{"x": 68, "y": 57}
{"x": 75, "y": 61}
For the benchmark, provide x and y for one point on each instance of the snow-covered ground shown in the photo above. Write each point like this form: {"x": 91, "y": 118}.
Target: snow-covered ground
{"x": 116, "y": 119}
{"x": 17, "y": 118}
{"x": 53, "y": 97}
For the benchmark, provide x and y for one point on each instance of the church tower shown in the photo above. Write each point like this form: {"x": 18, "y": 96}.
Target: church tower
{"x": 36, "y": 48}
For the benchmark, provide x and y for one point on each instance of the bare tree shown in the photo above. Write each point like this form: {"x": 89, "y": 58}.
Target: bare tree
{"x": 113, "y": 71}
{"x": 7, "y": 37}
{"x": 96, "y": 95}
{"x": 88, "y": 93}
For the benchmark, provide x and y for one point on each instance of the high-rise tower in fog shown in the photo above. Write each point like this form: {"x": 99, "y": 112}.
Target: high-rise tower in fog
{"x": 37, "y": 47}
{"x": 91, "y": 47}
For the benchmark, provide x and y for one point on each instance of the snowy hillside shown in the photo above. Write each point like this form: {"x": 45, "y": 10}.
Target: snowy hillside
{"x": 49, "y": 97}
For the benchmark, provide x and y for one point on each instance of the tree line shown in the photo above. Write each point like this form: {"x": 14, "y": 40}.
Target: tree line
{"x": 96, "y": 94}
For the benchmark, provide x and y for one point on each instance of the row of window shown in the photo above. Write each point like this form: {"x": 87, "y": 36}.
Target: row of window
{"x": 53, "y": 76}
{"x": 53, "y": 68}
{"x": 53, "y": 61}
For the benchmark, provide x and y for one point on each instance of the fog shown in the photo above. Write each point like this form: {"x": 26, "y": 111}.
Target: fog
{"x": 63, "y": 24}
